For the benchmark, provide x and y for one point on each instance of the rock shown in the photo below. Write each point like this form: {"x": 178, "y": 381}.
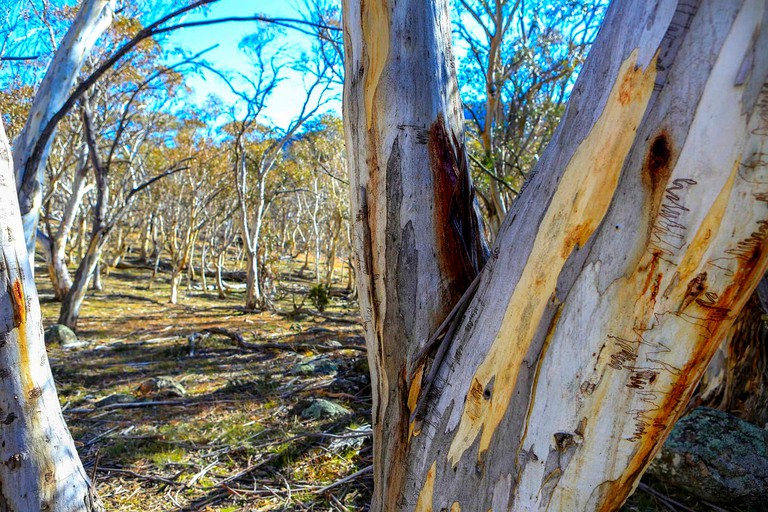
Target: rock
{"x": 716, "y": 457}
{"x": 320, "y": 408}
{"x": 165, "y": 385}
{"x": 61, "y": 335}
{"x": 325, "y": 366}
{"x": 353, "y": 440}
{"x": 317, "y": 366}
{"x": 115, "y": 399}
{"x": 303, "y": 369}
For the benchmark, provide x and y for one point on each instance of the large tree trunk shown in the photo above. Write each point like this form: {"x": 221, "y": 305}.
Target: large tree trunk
{"x": 92, "y": 19}
{"x": 41, "y": 469}
{"x": 614, "y": 276}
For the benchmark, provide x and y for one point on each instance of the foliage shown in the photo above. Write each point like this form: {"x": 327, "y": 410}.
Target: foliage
{"x": 519, "y": 64}
{"x": 319, "y": 296}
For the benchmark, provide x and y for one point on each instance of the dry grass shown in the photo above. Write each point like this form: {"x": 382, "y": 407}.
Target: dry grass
{"x": 234, "y": 440}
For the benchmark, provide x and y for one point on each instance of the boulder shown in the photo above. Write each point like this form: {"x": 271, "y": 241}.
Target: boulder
{"x": 161, "y": 385}
{"x": 320, "y": 408}
{"x": 317, "y": 366}
{"x": 717, "y": 457}
{"x": 61, "y": 335}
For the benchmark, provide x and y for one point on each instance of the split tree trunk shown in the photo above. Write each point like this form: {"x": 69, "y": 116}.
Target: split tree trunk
{"x": 91, "y": 21}
{"x": 41, "y": 469}
{"x": 614, "y": 276}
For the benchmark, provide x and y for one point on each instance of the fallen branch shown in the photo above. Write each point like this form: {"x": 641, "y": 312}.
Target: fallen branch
{"x": 138, "y": 405}
{"x": 150, "y": 478}
{"x": 353, "y": 476}
{"x": 241, "y": 474}
{"x": 316, "y": 347}
{"x": 240, "y": 342}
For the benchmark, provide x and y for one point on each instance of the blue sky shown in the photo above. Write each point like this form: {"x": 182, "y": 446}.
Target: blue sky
{"x": 285, "y": 102}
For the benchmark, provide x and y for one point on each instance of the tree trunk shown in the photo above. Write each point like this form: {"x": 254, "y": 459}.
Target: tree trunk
{"x": 219, "y": 280}
{"x": 96, "y": 283}
{"x": 175, "y": 279}
{"x": 316, "y": 230}
{"x": 252, "y": 281}
{"x": 92, "y": 19}
{"x": 73, "y": 300}
{"x": 82, "y": 237}
{"x": 147, "y": 229}
{"x": 41, "y": 469}
{"x": 333, "y": 242}
{"x": 191, "y": 274}
{"x": 614, "y": 277}
{"x": 203, "y": 266}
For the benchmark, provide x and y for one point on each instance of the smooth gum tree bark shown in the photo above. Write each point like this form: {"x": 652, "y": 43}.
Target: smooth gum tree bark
{"x": 91, "y": 21}
{"x": 39, "y": 466}
{"x": 614, "y": 277}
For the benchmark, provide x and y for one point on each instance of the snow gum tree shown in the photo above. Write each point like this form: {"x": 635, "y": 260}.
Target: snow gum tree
{"x": 39, "y": 466}
{"x": 547, "y": 375}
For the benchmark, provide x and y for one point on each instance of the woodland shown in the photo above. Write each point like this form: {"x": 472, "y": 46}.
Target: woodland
{"x": 529, "y": 252}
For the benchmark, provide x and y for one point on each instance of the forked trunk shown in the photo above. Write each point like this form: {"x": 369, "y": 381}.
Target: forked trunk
{"x": 41, "y": 469}
{"x": 614, "y": 276}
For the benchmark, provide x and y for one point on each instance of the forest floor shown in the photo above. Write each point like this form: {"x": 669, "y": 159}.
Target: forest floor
{"x": 167, "y": 417}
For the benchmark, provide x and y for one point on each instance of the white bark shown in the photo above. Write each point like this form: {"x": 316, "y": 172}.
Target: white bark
{"x": 60, "y": 276}
{"x": 40, "y": 467}
{"x": 91, "y": 21}
{"x": 615, "y": 275}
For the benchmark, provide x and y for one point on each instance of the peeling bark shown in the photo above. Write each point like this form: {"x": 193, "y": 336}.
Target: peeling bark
{"x": 614, "y": 277}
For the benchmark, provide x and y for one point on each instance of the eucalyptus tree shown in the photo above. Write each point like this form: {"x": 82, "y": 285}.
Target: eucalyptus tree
{"x": 547, "y": 374}
{"x": 257, "y": 147}
{"x": 121, "y": 162}
{"x": 91, "y": 21}
{"x": 66, "y": 187}
{"x": 319, "y": 153}
{"x": 41, "y": 469}
{"x": 189, "y": 203}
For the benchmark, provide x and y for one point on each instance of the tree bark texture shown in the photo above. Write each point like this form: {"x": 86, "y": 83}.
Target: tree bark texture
{"x": 736, "y": 380}
{"x": 614, "y": 277}
{"x": 91, "y": 21}
{"x": 40, "y": 468}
